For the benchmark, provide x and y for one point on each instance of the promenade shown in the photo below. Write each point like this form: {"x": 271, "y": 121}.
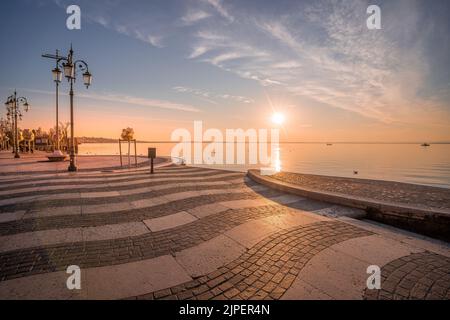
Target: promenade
{"x": 195, "y": 233}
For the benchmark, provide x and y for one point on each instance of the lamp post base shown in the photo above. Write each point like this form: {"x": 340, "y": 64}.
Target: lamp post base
{"x": 16, "y": 156}
{"x": 72, "y": 166}
{"x": 56, "y": 156}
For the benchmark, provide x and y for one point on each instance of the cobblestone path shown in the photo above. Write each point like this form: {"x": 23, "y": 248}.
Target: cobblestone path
{"x": 196, "y": 233}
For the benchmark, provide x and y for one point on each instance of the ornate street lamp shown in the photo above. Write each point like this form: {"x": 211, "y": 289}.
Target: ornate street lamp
{"x": 14, "y": 112}
{"x": 69, "y": 67}
{"x": 57, "y": 155}
{"x": 87, "y": 79}
{"x": 57, "y": 74}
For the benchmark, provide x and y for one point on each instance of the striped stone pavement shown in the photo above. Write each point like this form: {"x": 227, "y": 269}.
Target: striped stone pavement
{"x": 197, "y": 233}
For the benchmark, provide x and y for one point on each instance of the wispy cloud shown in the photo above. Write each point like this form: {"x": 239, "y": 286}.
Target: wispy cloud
{"x": 98, "y": 13}
{"x": 127, "y": 99}
{"x": 218, "y": 5}
{"x": 155, "y": 41}
{"x": 144, "y": 102}
{"x": 193, "y": 16}
{"x": 198, "y": 51}
{"x": 315, "y": 51}
{"x": 212, "y": 95}
{"x": 324, "y": 52}
{"x": 231, "y": 54}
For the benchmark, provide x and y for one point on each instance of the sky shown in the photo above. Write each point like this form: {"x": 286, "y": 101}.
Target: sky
{"x": 160, "y": 65}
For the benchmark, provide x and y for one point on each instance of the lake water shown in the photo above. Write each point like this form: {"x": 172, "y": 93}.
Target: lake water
{"x": 396, "y": 162}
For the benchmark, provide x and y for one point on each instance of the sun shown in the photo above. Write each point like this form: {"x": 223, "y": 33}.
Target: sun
{"x": 278, "y": 118}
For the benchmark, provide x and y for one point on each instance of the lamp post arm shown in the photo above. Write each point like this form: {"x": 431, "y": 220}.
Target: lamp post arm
{"x": 22, "y": 100}
{"x": 82, "y": 65}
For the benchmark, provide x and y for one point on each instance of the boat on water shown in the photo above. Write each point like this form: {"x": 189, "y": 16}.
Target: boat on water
{"x": 425, "y": 144}
{"x": 329, "y": 144}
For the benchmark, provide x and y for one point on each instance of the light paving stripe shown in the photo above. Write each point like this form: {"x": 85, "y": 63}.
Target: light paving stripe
{"x": 48, "y": 286}
{"x": 294, "y": 218}
{"x": 246, "y": 203}
{"x": 405, "y": 237}
{"x": 11, "y": 216}
{"x": 209, "y": 255}
{"x": 207, "y": 210}
{"x": 72, "y": 195}
{"x": 52, "y": 211}
{"x": 340, "y": 270}
{"x": 108, "y": 182}
{"x": 110, "y": 282}
{"x": 121, "y": 281}
{"x": 114, "y": 231}
{"x": 40, "y": 238}
{"x": 70, "y": 235}
{"x": 250, "y": 233}
{"x": 170, "y": 221}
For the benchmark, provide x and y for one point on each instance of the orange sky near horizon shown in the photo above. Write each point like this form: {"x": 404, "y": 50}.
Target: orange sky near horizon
{"x": 90, "y": 122}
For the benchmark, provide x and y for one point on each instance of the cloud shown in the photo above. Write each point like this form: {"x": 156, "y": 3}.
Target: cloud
{"x": 198, "y": 51}
{"x": 217, "y": 4}
{"x": 324, "y": 52}
{"x": 230, "y": 54}
{"x": 193, "y": 16}
{"x": 127, "y": 99}
{"x": 155, "y": 41}
{"x": 154, "y": 103}
{"x": 315, "y": 51}
{"x": 206, "y": 94}
{"x": 102, "y": 13}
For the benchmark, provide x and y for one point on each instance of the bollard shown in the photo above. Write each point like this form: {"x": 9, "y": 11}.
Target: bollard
{"x": 151, "y": 155}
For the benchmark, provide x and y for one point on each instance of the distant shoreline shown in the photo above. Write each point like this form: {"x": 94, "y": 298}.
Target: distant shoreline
{"x": 107, "y": 140}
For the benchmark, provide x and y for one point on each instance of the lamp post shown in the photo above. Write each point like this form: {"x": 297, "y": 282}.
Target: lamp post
{"x": 57, "y": 77}
{"x": 13, "y": 108}
{"x": 69, "y": 66}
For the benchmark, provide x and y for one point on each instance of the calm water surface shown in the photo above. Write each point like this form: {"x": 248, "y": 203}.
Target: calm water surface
{"x": 396, "y": 162}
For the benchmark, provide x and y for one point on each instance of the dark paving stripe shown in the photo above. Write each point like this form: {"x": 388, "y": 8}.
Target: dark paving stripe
{"x": 424, "y": 275}
{"x": 20, "y": 263}
{"x": 268, "y": 269}
{"x": 110, "y": 179}
{"x": 99, "y": 219}
{"x": 206, "y": 176}
{"x": 42, "y": 203}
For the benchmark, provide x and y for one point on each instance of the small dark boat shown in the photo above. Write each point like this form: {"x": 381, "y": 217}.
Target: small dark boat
{"x": 425, "y": 144}
{"x": 329, "y": 144}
